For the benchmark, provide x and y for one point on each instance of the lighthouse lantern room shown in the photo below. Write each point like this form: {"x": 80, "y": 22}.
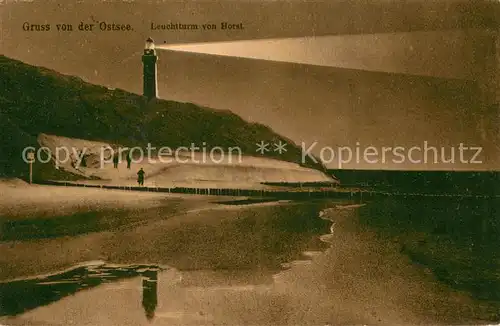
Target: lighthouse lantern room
{"x": 149, "y": 59}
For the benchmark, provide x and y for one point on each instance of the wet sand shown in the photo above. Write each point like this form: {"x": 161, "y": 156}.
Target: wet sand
{"x": 224, "y": 268}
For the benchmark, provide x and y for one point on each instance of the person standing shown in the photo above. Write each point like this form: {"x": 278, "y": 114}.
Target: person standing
{"x": 116, "y": 159}
{"x": 140, "y": 177}
{"x": 129, "y": 159}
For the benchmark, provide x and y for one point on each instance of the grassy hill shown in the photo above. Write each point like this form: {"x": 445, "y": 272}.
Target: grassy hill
{"x": 36, "y": 100}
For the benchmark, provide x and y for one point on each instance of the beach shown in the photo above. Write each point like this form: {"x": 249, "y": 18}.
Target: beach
{"x": 268, "y": 263}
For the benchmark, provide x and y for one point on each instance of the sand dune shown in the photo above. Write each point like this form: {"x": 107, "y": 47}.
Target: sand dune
{"x": 185, "y": 168}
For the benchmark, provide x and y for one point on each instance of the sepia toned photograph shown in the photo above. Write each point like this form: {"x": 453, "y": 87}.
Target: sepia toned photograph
{"x": 249, "y": 162}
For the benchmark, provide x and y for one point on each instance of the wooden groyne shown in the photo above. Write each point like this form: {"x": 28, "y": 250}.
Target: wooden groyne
{"x": 336, "y": 193}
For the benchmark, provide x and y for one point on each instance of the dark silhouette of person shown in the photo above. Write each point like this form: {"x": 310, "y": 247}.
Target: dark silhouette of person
{"x": 83, "y": 163}
{"x": 140, "y": 177}
{"x": 116, "y": 159}
{"x": 129, "y": 160}
{"x": 150, "y": 293}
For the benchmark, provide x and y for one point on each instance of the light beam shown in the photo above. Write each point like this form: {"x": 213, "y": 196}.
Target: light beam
{"x": 305, "y": 50}
{"x": 445, "y": 54}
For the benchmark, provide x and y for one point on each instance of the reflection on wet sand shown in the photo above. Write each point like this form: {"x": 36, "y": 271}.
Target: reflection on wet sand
{"x": 245, "y": 244}
{"x": 226, "y": 267}
{"x": 150, "y": 293}
{"x": 22, "y": 295}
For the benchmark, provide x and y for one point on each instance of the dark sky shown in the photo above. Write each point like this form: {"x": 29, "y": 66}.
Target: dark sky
{"x": 436, "y": 54}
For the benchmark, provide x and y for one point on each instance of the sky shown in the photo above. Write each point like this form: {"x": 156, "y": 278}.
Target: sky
{"x": 323, "y": 74}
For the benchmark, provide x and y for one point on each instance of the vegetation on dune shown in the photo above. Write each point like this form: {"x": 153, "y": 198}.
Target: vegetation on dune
{"x": 36, "y": 100}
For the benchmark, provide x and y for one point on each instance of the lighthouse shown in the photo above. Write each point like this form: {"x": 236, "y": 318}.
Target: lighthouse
{"x": 149, "y": 59}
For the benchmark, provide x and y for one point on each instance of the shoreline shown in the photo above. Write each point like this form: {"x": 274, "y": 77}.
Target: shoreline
{"x": 360, "y": 271}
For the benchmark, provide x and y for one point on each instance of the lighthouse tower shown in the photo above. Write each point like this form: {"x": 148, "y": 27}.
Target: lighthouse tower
{"x": 149, "y": 58}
